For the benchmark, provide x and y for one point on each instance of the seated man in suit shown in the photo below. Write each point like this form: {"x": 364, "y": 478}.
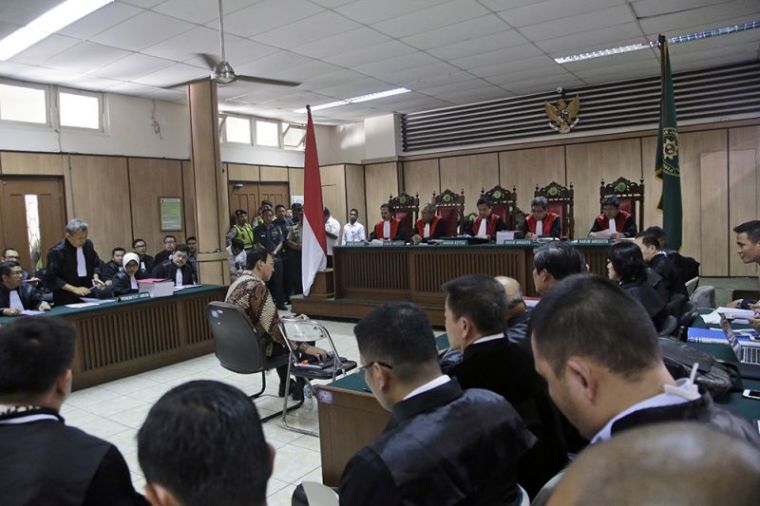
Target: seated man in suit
{"x": 554, "y": 261}
{"x": 177, "y": 268}
{"x": 109, "y": 269}
{"x": 125, "y": 282}
{"x": 429, "y": 226}
{"x": 443, "y": 446}
{"x": 12, "y": 255}
{"x": 613, "y": 223}
{"x": 72, "y": 265}
{"x": 661, "y": 263}
{"x": 140, "y": 247}
{"x": 475, "y": 316}
{"x": 44, "y": 461}
{"x": 15, "y": 295}
{"x": 389, "y": 228}
{"x": 681, "y": 463}
{"x": 487, "y": 223}
{"x": 600, "y": 355}
{"x": 540, "y": 222}
{"x": 170, "y": 244}
{"x": 229, "y": 465}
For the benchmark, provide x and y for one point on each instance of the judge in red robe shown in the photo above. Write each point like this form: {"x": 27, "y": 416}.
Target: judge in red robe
{"x": 624, "y": 224}
{"x": 429, "y": 226}
{"x": 389, "y": 228}
{"x": 487, "y": 223}
{"x": 540, "y": 222}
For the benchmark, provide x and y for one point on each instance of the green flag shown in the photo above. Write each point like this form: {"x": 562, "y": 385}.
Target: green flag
{"x": 666, "y": 161}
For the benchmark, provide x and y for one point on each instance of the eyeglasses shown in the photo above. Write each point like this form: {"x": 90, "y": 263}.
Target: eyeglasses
{"x": 363, "y": 368}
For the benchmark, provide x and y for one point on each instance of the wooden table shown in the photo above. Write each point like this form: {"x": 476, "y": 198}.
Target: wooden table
{"x": 118, "y": 339}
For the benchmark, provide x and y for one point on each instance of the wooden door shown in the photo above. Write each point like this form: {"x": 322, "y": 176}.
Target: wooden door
{"x": 32, "y": 216}
{"x": 276, "y": 193}
{"x": 248, "y": 196}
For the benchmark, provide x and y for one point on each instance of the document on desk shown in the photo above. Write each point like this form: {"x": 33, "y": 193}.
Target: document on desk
{"x": 31, "y": 312}
{"x": 740, "y": 315}
{"x": 80, "y": 305}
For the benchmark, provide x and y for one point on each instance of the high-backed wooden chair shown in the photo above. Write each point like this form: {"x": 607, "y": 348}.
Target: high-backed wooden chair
{"x": 450, "y": 207}
{"x": 561, "y": 202}
{"x": 407, "y": 209}
{"x": 630, "y": 195}
{"x": 503, "y": 203}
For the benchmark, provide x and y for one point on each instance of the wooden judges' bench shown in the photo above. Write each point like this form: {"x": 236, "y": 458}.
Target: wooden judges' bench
{"x": 121, "y": 338}
{"x": 365, "y": 276}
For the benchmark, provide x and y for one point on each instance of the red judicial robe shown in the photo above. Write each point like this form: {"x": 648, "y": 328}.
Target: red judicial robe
{"x": 493, "y": 225}
{"x": 394, "y": 229}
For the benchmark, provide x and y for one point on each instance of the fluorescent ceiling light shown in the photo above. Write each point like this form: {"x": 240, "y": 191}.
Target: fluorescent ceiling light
{"x": 356, "y": 100}
{"x": 678, "y": 39}
{"x": 48, "y": 23}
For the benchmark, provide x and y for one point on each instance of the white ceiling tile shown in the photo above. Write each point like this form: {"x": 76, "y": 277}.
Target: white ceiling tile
{"x": 169, "y": 76}
{"x": 431, "y": 18}
{"x": 186, "y": 46}
{"x": 514, "y": 66}
{"x": 549, "y": 10}
{"x": 13, "y": 70}
{"x": 715, "y": 43}
{"x": 94, "y": 83}
{"x": 715, "y": 15}
{"x": 619, "y": 71}
{"x": 307, "y": 71}
{"x": 384, "y": 51}
{"x": 595, "y": 39}
{"x": 507, "y": 38}
{"x": 132, "y": 67}
{"x": 468, "y": 30}
{"x": 334, "y": 78}
{"x": 320, "y": 26}
{"x": 468, "y": 97}
{"x": 22, "y": 12}
{"x": 374, "y": 11}
{"x": 503, "y": 5}
{"x": 144, "y": 4}
{"x": 355, "y": 88}
{"x": 430, "y": 81}
{"x": 138, "y": 90}
{"x": 341, "y": 43}
{"x": 102, "y": 19}
{"x": 7, "y": 28}
{"x": 268, "y": 15}
{"x": 545, "y": 86}
{"x": 646, "y": 8}
{"x": 86, "y": 56}
{"x": 407, "y": 76}
{"x": 50, "y": 75}
{"x": 273, "y": 64}
{"x": 471, "y": 84}
{"x": 529, "y": 74}
{"x": 45, "y": 49}
{"x": 381, "y": 67}
{"x": 633, "y": 57}
{"x": 498, "y": 57}
{"x": 142, "y": 31}
{"x": 601, "y": 18}
{"x": 200, "y": 11}
{"x": 331, "y": 4}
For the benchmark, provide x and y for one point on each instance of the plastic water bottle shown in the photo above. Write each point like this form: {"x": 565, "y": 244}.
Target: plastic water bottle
{"x": 308, "y": 397}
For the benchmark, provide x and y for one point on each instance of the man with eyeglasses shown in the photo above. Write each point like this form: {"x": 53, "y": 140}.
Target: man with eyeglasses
{"x": 15, "y": 295}
{"x": 170, "y": 244}
{"x": 12, "y": 255}
{"x": 443, "y": 445}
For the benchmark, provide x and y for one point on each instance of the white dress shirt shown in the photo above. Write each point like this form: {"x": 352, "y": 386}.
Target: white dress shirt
{"x": 15, "y": 301}
{"x": 333, "y": 227}
{"x": 483, "y": 230}
{"x": 612, "y": 225}
{"x": 353, "y": 233}
{"x": 426, "y": 231}
{"x": 440, "y": 380}
{"x": 133, "y": 283}
{"x": 178, "y": 277}
{"x": 81, "y": 263}
{"x": 539, "y": 227}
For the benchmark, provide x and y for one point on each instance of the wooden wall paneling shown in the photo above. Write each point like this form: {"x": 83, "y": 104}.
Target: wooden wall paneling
{"x": 333, "y": 179}
{"x": 267, "y": 173}
{"x": 590, "y": 163}
{"x": 744, "y": 189}
{"x": 150, "y": 179}
{"x": 652, "y": 185}
{"x": 381, "y": 181}
{"x": 101, "y": 198}
{"x": 714, "y": 193}
{"x": 423, "y": 177}
{"x": 472, "y": 173}
{"x": 526, "y": 168}
{"x": 33, "y": 164}
{"x": 243, "y": 172}
{"x": 355, "y": 196}
{"x": 188, "y": 202}
{"x": 295, "y": 179}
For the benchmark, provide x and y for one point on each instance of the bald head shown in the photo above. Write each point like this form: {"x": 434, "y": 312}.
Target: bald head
{"x": 670, "y": 464}
{"x": 512, "y": 290}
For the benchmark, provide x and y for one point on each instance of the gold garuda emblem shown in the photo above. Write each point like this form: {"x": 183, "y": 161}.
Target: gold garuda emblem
{"x": 563, "y": 116}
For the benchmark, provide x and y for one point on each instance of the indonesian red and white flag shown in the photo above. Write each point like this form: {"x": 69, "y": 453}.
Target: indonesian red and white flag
{"x": 314, "y": 248}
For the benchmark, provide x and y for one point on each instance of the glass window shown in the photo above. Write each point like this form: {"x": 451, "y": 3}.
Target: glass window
{"x": 22, "y": 103}
{"x": 78, "y": 110}
{"x": 237, "y": 129}
{"x": 292, "y": 136}
{"x": 267, "y": 133}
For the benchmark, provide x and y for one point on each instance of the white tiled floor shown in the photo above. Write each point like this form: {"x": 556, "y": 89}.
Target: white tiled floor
{"x": 115, "y": 411}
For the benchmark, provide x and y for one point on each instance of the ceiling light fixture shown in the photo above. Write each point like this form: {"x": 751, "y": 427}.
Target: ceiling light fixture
{"x": 356, "y": 100}
{"x": 48, "y": 23}
{"x": 678, "y": 39}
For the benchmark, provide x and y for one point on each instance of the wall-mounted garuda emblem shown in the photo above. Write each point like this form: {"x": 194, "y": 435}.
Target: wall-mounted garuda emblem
{"x": 564, "y": 115}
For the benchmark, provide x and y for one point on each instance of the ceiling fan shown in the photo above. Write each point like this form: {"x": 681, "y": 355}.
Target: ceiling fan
{"x": 221, "y": 70}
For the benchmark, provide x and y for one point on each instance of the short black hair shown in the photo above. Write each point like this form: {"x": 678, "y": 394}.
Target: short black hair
{"x": 238, "y": 212}
{"x": 593, "y": 317}
{"x": 388, "y": 207}
{"x": 169, "y": 236}
{"x": 279, "y": 206}
{"x": 265, "y": 209}
{"x": 266, "y": 203}
{"x": 627, "y": 260}
{"x": 610, "y": 200}
{"x": 118, "y": 248}
{"x": 480, "y": 298}
{"x": 191, "y": 238}
{"x": 204, "y": 442}
{"x": 256, "y": 254}
{"x": 354, "y": 210}
{"x": 398, "y": 334}
{"x": 559, "y": 258}
{"x": 135, "y": 241}
{"x": 325, "y": 211}
{"x": 483, "y": 200}
{"x": 751, "y": 228}
{"x": 539, "y": 201}
{"x": 296, "y": 206}
{"x": 183, "y": 248}
{"x": 237, "y": 244}
{"x": 649, "y": 239}
{"x": 34, "y": 353}
{"x": 6, "y": 268}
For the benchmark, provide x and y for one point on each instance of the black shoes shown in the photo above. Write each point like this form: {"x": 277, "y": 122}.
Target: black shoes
{"x": 296, "y": 388}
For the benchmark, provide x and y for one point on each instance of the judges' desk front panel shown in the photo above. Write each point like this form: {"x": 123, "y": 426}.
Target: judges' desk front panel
{"x": 118, "y": 339}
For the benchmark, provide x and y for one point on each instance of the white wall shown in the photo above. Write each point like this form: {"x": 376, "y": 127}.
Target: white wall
{"x": 381, "y": 136}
